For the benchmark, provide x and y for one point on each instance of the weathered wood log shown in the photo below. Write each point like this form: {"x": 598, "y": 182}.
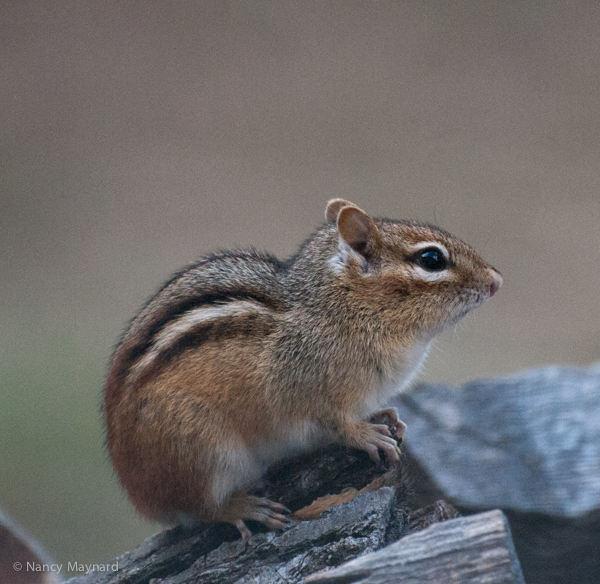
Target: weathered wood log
{"x": 347, "y": 530}
{"x": 368, "y": 522}
{"x": 528, "y": 443}
{"x": 426, "y": 516}
{"x": 298, "y": 481}
{"x": 214, "y": 553}
{"x": 474, "y": 549}
{"x": 343, "y": 532}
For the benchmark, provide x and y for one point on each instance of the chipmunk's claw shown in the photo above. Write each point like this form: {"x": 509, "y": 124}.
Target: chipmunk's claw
{"x": 390, "y": 418}
{"x": 243, "y": 529}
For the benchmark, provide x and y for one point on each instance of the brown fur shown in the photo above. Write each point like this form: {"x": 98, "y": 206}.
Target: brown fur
{"x": 240, "y": 360}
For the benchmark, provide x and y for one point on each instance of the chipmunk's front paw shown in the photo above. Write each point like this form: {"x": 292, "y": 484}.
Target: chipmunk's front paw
{"x": 390, "y": 418}
{"x": 371, "y": 438}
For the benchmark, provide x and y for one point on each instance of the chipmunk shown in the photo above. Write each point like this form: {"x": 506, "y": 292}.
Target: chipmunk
{"x": 241, "y": 359}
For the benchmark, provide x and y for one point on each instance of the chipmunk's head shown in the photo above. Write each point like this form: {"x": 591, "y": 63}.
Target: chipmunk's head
{"x": 414, "y": 271}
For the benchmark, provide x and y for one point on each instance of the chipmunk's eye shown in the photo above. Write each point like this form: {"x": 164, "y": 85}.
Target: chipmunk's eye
{"x": 431, "y": 259}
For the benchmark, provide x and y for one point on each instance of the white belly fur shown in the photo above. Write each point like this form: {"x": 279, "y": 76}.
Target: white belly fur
{"x": 238, "y": 466}
{"x": 408, "y": 367}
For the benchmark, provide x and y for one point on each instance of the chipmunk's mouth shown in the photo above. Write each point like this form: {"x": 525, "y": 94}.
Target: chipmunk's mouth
{"x": 469, "y": 300}
{"x": 456, "y": 318}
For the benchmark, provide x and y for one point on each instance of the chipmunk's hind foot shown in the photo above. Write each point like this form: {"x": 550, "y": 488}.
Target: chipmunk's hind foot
{"x": 242, "y": 506}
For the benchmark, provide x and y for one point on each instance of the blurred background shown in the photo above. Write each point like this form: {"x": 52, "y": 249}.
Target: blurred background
{"x": 137, "y": 136}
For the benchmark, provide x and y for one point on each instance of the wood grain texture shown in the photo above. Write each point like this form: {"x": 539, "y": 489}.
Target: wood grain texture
{"x": 527, "y": 443}
{"x": 476, "y": 549}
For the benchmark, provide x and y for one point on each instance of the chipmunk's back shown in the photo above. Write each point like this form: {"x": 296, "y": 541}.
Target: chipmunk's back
{"x": 214, "y": 282}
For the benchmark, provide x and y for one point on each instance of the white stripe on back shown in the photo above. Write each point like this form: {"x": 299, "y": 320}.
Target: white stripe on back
{"x": 187, "y": 322}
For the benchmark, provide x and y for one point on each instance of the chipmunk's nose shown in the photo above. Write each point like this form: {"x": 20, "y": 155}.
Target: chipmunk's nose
{"x": 496, "y": 281}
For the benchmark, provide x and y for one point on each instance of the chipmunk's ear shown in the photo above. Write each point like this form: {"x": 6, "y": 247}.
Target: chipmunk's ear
{"x": 358, "y": 230}
{"x": 334, "y": 207}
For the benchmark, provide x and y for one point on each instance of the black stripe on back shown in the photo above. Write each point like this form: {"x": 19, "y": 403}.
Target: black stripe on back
{"x": 206, "y": 300}
{"x": 128, "y": 351}
{"x": 225, "y": 327}
{"x": 131, "y": 355}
